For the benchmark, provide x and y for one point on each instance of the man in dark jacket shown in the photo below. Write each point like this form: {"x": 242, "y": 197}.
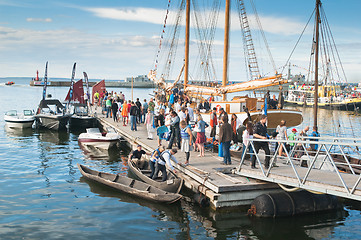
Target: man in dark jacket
{"x": 260, "y": 132}
{"x": 139, "y": 113}
{"x": 115, "y": 110}
{"x": 174, "y": 130}
{"x": 225, "y": 137}
{"x": 133, "y": 117}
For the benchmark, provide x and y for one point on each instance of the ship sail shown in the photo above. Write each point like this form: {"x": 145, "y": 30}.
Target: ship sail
{"x": 78, "y": 93}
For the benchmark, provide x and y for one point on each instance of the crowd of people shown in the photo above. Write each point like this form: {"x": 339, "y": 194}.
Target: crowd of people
{"x": 172, "y": 117}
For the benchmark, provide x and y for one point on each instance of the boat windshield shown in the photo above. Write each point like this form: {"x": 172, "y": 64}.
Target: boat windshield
{"x": 28, "y": 113}
{"x": 11, "y": 113}
{"x": 92, "y": 130}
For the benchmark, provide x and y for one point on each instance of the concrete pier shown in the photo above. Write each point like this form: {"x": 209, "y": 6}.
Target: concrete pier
{"x": 203, "y": 175}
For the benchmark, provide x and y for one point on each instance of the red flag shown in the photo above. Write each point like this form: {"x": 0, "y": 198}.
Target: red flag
{"x": 78, "y": 92}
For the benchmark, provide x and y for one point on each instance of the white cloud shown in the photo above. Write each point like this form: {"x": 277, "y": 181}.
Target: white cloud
{"x": 39, "y": 20}
{"x": 270, "y": 24}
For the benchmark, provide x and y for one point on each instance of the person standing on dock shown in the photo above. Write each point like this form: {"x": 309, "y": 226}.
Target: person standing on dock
{"x": 108, "y": 106}
{"x": 165, "y": 159}
{"x": 115, "y": 110}
{"x": 225, "y": 137}
{"x": 145, "y": 110}
{"x": 139, "y": 113}
{"x": 213, "y": 122}
{"x": 187, "y": 137}
{"x": 175, "y": 131}
{"x": 125, "y": 111}
{"x": 178, "y": 106}
{"x": 151, "y": 105}
{"x": 282, "y": 135}
{"x": 235, "y": 123}
{"x": 190, "y": 112}
{"x": 133, "y": 117}
{"x": 260, "y": 132}
{"x": 149, "y": 124}
{"x": 315, "y": 133}
{"x": 247, "y": 134}
{"x": 220, "y": 117}
{"x": 159, "y": 122}
{"x": 96, "y": 98}
{"x": 201, "y": 135}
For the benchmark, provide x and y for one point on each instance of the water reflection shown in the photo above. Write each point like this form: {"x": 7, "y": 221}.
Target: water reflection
{"x": 18, "y": 133}
{"x": 55, "y": 137}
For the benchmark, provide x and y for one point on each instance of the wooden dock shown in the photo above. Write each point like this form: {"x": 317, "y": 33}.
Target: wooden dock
{"x": 204, "y": 175}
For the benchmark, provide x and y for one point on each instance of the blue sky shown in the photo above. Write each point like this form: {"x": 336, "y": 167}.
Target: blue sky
{"x": 117, "y": 39}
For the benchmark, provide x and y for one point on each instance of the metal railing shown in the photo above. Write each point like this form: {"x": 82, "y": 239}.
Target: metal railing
{"x": 321, "y": 154}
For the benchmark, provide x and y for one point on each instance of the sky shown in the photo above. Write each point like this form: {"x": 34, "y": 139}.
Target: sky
{"x": 115, "y": 39}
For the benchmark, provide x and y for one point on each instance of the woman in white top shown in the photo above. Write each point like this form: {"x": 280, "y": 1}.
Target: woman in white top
{"x": 247, "y": 134}
{"x": 282, "y": 135}
{"x": 149, "y": 123}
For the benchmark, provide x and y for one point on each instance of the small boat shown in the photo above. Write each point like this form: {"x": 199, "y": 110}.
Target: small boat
{"x": 9, "y": 83}
{"x": 129, "y": 185}
{"x": 100, "y": 140}
{"x": 51, "y": 114}
{"x": 15, "y": 120}
{"x": 140, "y": 168}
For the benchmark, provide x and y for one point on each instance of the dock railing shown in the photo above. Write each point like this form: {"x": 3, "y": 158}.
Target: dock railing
{"x": 339, "y": 157}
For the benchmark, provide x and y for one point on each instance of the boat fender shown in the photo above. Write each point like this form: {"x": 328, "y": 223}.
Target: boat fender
{"x": 284, "y": 204}
{"x": 202, "y": 200}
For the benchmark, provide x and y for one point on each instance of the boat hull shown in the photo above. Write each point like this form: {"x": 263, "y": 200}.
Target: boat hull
{"x": 82, "y": 122}
{"x": 173, "y": 183}
{"x": 98, "y": 143}
{"x": 130, "y": 186}
{"x": 52, "y": 122}
{"x": 345, "y": 106}
{"x": 19, "y": 123}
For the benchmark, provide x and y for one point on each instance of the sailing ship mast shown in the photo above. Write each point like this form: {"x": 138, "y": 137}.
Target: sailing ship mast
{"x": 315, "y": 106}
{"x": 226, "y": 49}
{"x": 186, "y": 58}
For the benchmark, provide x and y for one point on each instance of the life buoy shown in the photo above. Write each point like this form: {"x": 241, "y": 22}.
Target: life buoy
{"x": 218, "y": 107}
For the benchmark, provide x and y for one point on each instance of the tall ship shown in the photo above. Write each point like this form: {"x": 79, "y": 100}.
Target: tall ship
{"x": 243, "y": 106}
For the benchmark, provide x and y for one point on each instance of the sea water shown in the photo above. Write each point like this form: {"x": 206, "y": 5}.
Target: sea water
{"x": 43, "y": 195}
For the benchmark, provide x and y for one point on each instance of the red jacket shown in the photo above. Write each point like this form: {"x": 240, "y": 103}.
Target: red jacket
{"x": 213, "y": 121}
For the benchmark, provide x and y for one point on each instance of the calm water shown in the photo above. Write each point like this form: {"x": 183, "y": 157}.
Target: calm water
{"x": 43, "y": 196}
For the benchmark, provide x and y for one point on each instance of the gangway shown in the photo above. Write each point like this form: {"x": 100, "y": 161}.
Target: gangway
{"x": 328, "y": 169}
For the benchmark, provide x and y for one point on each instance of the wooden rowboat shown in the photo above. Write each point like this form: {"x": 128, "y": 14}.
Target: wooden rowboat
{"x": 140, "y": 168}
{"x": 130, "y": 186}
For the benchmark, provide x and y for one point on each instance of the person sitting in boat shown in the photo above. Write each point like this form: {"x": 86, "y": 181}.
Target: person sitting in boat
{"x": 154, "y": 158}
{"x": 138, "y": 153}
{"x": 163, "y": 160}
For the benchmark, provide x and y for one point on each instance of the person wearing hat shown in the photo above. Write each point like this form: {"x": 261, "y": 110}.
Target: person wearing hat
{"x": 221, "y": 114}
{"x": 292, "y": 137}
{"x": 138, "y": 153}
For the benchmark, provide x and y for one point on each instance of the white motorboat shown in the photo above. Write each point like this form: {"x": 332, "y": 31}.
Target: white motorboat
{"x": 15, "y": 120}
{"x": 93, "y": 138}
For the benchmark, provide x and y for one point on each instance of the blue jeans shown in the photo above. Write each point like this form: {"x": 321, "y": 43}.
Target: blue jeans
{"x": 133, "y": 123}
{"x": 160, "y": 168}
{"x": 250, "y": 149}
{"x": 226, "y": 153}
{"x": 152, "y": 168}
{"x": 108, "y": 111}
